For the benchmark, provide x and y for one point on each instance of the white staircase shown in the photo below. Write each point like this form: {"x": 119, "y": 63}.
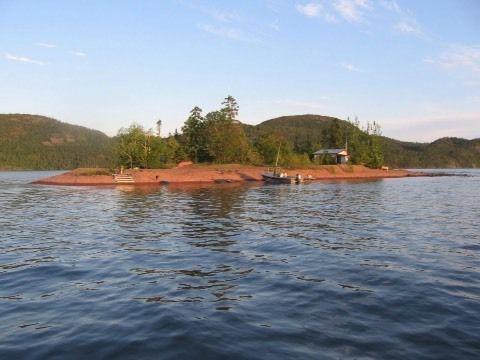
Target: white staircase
{"x": 123, "y": 179}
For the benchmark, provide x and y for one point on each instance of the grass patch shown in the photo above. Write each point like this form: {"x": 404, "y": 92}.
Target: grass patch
{"x": 92, "y": 172}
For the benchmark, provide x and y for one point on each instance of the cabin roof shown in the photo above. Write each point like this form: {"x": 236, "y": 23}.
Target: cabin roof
{"x": 331, "y": 152}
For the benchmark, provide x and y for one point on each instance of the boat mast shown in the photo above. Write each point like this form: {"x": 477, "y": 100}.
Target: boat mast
{"x": 276, "y": 161}
{"x": 278, "y": 154}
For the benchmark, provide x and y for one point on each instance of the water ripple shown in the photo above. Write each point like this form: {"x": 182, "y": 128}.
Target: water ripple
{"x": 353, "y": 269}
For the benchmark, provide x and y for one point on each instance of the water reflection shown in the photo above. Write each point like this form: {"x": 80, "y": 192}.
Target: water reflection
{"x": 205, "y": 220}
{"x": 211, "y": 214}
{"x": 342, "y": 269}
{"x": 217, "y": 201}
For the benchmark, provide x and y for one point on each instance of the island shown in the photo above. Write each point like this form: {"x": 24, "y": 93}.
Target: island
{"x": 224, "y": 173}
{"x": 218, "y": 148}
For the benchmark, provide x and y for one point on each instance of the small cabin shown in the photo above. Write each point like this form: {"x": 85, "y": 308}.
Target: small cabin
{"x": 340, "y": 156}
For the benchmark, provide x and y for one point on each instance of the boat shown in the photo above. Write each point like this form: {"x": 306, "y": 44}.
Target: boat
{"x": 278, "y": 176}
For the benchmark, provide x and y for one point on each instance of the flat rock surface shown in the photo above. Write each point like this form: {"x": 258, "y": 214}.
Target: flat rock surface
{"x": 220, "y": 174}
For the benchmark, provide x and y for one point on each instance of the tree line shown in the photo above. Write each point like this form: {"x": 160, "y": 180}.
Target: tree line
{"x": 218, "y": 137}
{"x": 41, "y": 143}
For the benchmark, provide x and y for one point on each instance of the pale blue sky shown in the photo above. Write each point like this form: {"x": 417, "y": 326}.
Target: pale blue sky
{"x": 414, "y": 66}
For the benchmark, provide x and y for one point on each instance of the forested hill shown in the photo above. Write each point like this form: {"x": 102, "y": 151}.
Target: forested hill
{"x": 41, "y": 143}
{"x": 308, "y": 132}
{"x": 448, "y": 152}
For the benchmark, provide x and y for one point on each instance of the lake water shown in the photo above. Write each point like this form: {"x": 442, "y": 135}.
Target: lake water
{"x": 360, "y": 269}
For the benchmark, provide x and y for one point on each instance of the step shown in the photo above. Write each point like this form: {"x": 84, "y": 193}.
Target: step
{"x": 123, "y": 178}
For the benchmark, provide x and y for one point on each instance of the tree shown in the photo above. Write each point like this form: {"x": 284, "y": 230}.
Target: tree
{"x": 357, "y": 143}
{"x": 192, "y": 134}
{"x": 375, "y": 152}
{"x": 230, "y": 107}
{"x": 217, "y": 137}
{"x": 139, "y": 148}
{"x": 131, "y": 146}
{"x": 268, "y": 145}
{"x": 225, "y": 140}
{"x": 147, "y": 147}
{"x": 334, "y": 136}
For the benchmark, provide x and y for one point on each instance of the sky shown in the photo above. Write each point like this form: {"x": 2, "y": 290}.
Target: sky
{"x": 413, "y": 66}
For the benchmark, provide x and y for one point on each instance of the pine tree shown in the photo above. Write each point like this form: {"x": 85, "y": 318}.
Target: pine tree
{"x": 192, "y": 134}
{"x": 375, "y": 151}
{"x": 230, "y": 107}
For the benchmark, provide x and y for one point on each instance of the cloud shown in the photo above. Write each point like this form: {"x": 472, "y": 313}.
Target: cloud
{"x": 328, "y": 17}
{"x": 349, "y": 67}
{"x": 391, "y": 5}
{"x": 273, "y": 5}
{"x": 24, "y": 59}
{"x": 275, "y": 26}
{"x": 461, "y": 59}
{"x": 225, "y": 32}
{"x": 407, "y": 24}
{"x": 433, "y": 126}
{"x": 408, "y": 27}
{"x": 78, "y": 53}
{"x": 45, "y": 45}
{"x": 224, "y": 16}
{"x": 431, "y": 120}
{"x": 356, "y": 11}
{"x": 310, "y": 9}
{"x": 352, "y": 10}
{"x": 316, "y": 10}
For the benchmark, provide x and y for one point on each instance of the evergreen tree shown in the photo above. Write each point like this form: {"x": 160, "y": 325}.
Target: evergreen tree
{"x": 357, "y": 143}
{"x": 375, "y": 151}
{"x": 334, "y": 135}
{"x": 192, "y": 134}
{"x": 230, "y": 107}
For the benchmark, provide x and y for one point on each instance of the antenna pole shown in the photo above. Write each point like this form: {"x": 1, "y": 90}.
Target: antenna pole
{"x": 278, "y": 154}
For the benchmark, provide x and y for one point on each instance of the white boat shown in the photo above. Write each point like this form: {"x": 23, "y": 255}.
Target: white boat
{"x": 280, "y": 178}
{"x": 277, "y": 176}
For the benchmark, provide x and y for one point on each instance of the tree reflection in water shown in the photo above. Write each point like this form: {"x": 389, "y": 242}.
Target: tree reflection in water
{"x": 185, "y": 235}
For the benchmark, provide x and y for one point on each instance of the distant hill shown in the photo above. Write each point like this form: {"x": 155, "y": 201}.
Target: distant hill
{"x": 448, "y": 152}
{"x": 41, "y": 143}
{"x": 305, "y": 132}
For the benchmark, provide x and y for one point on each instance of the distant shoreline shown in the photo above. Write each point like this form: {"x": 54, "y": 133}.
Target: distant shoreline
{"x": 218, "y": 174}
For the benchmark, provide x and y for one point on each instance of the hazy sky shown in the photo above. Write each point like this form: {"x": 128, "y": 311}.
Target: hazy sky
{"x": 414, "y": 66}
